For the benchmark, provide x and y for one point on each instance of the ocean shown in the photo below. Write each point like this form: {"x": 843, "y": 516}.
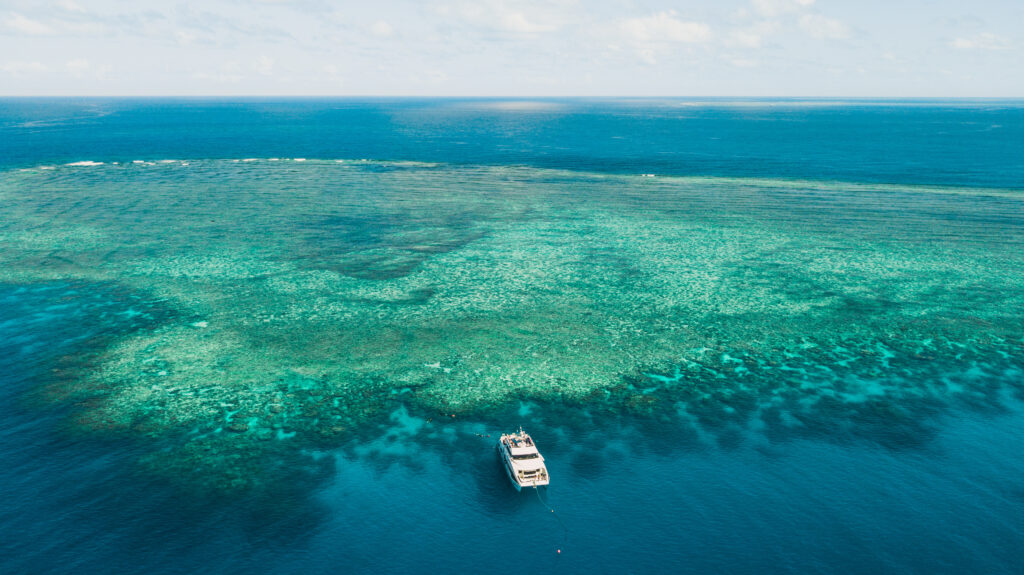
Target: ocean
{"x": 283, "y": 336}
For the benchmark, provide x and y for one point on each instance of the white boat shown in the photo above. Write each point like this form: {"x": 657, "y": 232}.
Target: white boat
{"x": 523, "y": 463}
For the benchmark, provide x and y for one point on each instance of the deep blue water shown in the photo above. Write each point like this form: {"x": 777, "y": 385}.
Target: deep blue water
{"x": 957, "y": 143}
{"x": 81, "y": 503}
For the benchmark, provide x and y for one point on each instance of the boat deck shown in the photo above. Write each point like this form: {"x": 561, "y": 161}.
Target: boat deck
{"x": 517, "y": 440}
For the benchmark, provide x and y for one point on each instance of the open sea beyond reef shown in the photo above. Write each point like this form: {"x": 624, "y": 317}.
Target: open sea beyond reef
{"x": 282, "y": 336}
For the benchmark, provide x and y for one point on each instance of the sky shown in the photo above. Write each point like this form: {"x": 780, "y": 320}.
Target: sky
{"x": 505, "y": 48}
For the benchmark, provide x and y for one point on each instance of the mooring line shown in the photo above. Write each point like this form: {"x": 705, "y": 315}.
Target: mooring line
{"x": 565, "y": 530}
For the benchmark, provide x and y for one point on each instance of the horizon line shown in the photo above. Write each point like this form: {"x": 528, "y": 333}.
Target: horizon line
{"x": 500, "y": 97}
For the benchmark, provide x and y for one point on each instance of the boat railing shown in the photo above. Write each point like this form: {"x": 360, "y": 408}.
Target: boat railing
{"x": 515, "y": 441}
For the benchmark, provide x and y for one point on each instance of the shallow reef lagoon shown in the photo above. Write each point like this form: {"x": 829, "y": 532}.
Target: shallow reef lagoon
{"x": 282, "y": 336}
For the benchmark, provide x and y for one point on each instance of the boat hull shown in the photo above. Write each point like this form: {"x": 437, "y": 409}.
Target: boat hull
{"x": 507, "y": 466}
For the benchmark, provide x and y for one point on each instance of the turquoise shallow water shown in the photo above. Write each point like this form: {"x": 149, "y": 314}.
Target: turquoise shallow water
{"x": 274, "y": 335}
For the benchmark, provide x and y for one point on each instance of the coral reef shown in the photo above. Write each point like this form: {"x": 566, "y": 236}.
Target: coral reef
{"x": 311, "y": 298}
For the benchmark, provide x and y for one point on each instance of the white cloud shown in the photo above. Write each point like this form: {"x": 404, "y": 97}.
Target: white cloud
{"x": 773, "y": 8}
{"x": 982, "y": 41}
{"x": 93, "y": 28}
{"x": 184, "y": 37}
{"x": 520, "y": 22}
{"x": 382, "y": 29}
{"x": 22, "y": 68}
{"x": 660, "y": 34}
{"x": 647, "y": 56}
{"x": 71, "y": 6}
{"x": 229, "y": 73}
{"x": 264, "y": 66}
{"x": 333, "y": 74}
{"x": 494, "y": 47}
{"x": 752, "y": 36}
{"x": 766, "y": 18}
{"x": 78, "y": 67}
{"x": 824, "y": 28}
{"x": 743, "y": 62}
{"x": 666, "y": 27}
{"x": 23, "y": 25}
{"x": 746, "y": 38}
{"x": 521, "y": 18}
{"x": 68, "y": 19}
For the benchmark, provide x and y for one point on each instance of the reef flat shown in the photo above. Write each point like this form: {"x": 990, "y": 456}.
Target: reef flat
{"x": 303, "y": 299}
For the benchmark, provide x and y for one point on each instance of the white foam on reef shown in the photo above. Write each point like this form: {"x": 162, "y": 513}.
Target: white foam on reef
{"x": 250, "y": 159}
{"x": 85, "y": 163}
{"x": 412, "y": 164}
{"x": 167, "y": 161}
{"x": 300, "y": 159}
